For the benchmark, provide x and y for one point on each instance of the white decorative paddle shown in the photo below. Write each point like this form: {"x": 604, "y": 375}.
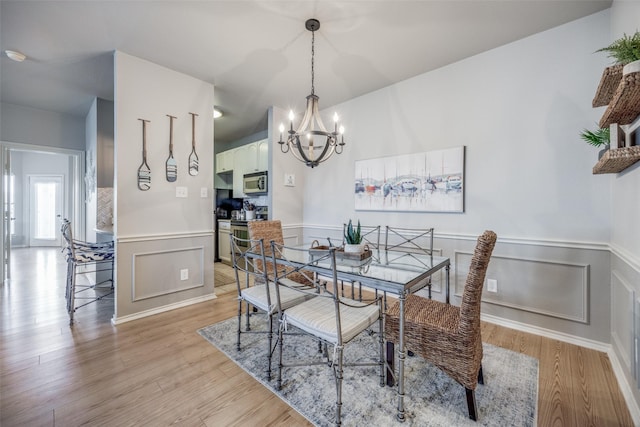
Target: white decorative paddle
{"x": 144, "y": 172}
{"x": 193, "y": 157}
{"x": 171, "y": 165}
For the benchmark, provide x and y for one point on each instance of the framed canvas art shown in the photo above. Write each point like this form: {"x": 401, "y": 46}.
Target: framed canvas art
{"x": 431, "y": 181}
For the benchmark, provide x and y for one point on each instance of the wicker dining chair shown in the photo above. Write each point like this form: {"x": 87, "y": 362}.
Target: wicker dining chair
{"x": 257, "y": 291}
{"x": 446, "y": 335}
{"x": 272, "y": 231}
{"x": 328, "y": 317}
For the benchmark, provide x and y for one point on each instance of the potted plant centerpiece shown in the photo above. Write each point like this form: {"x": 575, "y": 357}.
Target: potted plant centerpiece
{"x": 353, "y": 239}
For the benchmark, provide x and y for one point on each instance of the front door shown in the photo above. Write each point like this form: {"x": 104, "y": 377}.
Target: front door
{"x": 45, "y": 210}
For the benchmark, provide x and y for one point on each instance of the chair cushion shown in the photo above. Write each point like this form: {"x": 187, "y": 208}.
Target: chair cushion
{"x": 257, "y": 296}
{"x": 318, "y": 317}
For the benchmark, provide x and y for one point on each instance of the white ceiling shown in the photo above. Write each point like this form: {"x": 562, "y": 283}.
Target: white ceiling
{"x": 256, "y": 53}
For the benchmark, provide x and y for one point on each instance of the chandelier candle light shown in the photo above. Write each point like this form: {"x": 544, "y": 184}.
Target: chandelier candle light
{"x": 311, "y": 143}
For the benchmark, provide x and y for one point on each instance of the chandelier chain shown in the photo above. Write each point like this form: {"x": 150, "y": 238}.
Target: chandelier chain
{"x": 313, "y": 54}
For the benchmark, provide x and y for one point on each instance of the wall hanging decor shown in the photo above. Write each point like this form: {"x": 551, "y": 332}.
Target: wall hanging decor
{"x": 171, "y": 165}
{"x": 193, "y": 157}
{"x": 431, "y": 181}
{"x": 144, "y": 172}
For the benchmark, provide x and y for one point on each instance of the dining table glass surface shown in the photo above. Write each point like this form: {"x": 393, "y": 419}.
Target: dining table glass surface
{"x": 390, "y": 271}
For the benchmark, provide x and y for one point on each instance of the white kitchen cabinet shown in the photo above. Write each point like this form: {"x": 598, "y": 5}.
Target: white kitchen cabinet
{"x": 224, "y": 161}
{"x": 263, "y": 155}
{"x": 239, "y": 169}
{"x": 251, "y": 162}
{"x": 224, "y": 242}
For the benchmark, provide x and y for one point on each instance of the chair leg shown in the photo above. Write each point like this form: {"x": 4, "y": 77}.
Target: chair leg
{"x": 280, "y": 339}
{"x": 270, "y": 341}
{"x": 471, "y": 403}
{"x": 239, "y": 323}
{"x": 338, "y": 374}
{"x": 381, "y": 342}
{"x": 480, "y": 376}
{"x": 248, "y": 327}
{"x": 72, "y": 294}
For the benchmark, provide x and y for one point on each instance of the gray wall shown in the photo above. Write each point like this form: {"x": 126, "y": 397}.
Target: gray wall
{"x": 157, "y": 233}
{"x": 518, "y": 109}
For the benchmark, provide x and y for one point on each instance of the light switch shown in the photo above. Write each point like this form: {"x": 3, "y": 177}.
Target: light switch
{"x": 289, "y": 180}
{"x": 182, "y": 192}
{"x": 203, "y": 192}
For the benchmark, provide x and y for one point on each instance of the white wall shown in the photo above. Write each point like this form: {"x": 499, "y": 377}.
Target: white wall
{"x": 519, "y": 110}
{"x": 157, "y": 233}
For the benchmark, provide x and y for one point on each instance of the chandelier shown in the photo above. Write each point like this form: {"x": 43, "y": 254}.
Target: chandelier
{"x": 311, "y": 143}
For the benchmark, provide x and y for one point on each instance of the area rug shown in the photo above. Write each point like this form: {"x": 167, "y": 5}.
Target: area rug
{"x": 508, "y": 397}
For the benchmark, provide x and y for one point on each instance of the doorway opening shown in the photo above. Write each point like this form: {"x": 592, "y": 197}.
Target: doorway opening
{"x": 40, "y": 186}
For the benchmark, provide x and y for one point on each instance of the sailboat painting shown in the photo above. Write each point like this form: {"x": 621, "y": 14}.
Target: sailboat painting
{"x": 431, "y": 181}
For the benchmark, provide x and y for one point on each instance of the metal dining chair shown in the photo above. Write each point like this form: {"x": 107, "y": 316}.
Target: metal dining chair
{"x": 371, "y": 237}
{"x": 257, "y": 290}
{"x": 408, "y": 241}
{"x": 328, "y": 317}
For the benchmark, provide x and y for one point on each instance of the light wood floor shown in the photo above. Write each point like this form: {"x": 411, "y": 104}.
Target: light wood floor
{"x": 158, "y": 371}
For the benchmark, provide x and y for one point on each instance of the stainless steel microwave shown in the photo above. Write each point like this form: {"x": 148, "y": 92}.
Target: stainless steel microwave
{"x": 255, "y": 183}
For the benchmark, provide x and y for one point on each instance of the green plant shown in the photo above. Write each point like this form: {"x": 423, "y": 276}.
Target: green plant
{"x": 597, "y": 138}
{"x": 625, "y": 49}
{"x": 353, "y": 236}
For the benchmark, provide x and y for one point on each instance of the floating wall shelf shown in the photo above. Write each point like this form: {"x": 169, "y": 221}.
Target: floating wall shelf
{"x": 617, "y": 159}
{"x": 621, "y": 93}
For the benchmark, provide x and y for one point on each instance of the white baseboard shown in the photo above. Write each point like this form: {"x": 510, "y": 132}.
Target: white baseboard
{"x": 162, "y": 309}
{"x": 548, "y": 333}
{"x": 625, "y": 387}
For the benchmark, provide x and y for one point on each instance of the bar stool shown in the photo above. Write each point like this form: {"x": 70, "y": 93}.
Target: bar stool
{"x": 91, "y": 258}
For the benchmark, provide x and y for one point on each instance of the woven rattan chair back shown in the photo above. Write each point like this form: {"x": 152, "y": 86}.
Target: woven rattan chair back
{"x": 266, "y": 231}
{"x": 472, "y": 294}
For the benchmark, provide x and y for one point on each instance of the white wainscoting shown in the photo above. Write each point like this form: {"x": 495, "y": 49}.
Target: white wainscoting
{"x": 158, "y": 273}
{"x": 550, "y": 288}
{"x": 148, "y": 272}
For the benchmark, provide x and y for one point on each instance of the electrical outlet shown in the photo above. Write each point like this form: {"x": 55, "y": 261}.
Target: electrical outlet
{"x": 492, "y": 285}
{"x": 203, "y": 192}
{"x": 182, "y": 192}
{"x": 184, "y": 274}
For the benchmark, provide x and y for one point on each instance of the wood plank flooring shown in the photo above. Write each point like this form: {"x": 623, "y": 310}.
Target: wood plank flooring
{"x": 158, "y": 371}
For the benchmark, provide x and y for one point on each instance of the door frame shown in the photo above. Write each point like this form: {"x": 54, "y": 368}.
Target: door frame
{"x": 74, "y": 188}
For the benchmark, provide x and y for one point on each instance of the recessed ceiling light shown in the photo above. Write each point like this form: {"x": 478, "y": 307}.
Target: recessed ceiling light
{"x": 217, "y": 113}
{"x": 15, "y": 55}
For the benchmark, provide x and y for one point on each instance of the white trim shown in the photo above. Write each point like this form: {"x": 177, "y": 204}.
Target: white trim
{"x": 164, "y": 308}
{"x": 164, "y": 236}
{"x": 625, "y": 388}
{"x": 629, "y": 258}
{"x": 597, "y": 246}
{"x": 548, "y": 333}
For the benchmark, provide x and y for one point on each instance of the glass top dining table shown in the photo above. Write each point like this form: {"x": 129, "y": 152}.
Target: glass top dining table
{"x": 397, "y": 273}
